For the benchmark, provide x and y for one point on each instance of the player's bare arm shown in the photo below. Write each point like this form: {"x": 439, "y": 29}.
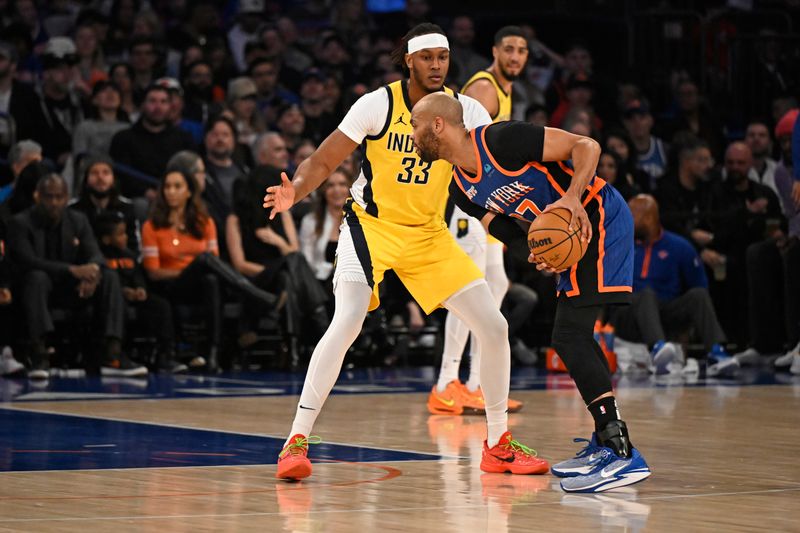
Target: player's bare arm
{"x": 484, "y": 92}
{"x": 560, "y": 145}
{"x": 310, "y": 174}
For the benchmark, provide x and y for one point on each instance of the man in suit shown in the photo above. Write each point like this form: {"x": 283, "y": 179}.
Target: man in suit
{"x": 58, "y": 261}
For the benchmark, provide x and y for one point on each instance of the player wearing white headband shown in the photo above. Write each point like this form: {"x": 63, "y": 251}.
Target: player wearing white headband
{"x": 394, "y": 220}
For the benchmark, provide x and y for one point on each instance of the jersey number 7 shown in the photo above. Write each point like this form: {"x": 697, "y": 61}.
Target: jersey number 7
{"x": 408, "y": 165}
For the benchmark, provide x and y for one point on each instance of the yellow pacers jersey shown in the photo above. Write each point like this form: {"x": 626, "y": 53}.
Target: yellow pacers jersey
{"x": 400, "y": 187}
{"x": 503, "y": 98}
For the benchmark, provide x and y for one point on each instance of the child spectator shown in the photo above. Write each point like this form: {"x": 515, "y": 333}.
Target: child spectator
{"x": 153, "y": 310}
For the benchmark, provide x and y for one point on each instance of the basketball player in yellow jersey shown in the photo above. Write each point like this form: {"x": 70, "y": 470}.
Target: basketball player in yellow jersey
{"x": 492, "y": 88}
{"x": 394, "y": 221}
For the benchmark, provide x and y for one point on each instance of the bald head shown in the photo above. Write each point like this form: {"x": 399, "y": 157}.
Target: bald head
{"x": 738, "y": 160}
{"x": 51, "y": 196}
{"x": 646, "y": 222}
{"x": 438, "y": 121}
{"x": 439, "y": 104}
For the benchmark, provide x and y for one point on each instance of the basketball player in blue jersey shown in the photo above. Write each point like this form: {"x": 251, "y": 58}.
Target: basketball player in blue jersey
{"x": 510, "y": 172}
{"x": 394, "y": 221}
{"x": 492, "y": 88}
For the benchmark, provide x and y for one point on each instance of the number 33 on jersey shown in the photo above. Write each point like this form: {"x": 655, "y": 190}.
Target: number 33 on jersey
{"x": 395, "y": 185}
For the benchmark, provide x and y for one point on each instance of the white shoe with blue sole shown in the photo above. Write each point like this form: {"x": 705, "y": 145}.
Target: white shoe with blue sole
{"x": 583, "y": 462}
{"x": 610, "y": 472}
{"x": 663, "y": 354}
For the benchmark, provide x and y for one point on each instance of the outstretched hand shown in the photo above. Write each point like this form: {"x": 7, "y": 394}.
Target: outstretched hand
{"x": 279, "y": 197}
{"x": 579, "y": 216}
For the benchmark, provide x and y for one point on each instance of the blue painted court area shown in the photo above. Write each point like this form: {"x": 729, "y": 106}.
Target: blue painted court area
{"x": 32, "y": 441}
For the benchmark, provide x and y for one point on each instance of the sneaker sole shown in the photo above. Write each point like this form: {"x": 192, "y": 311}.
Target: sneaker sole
{"x": 580, "y": 471}
{"x": 628, "y": 479}
{"x": 298, "y": 471}
{"x": 38, "y": 374}
{"x": 105, "y": 371}
{"x": 728, "y": 371}
{"x": 523, "y": 471}
{"x": 438, "y": 408}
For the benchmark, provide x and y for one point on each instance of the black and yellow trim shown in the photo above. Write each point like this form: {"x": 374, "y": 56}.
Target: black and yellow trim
{"x": 359, "y": 241}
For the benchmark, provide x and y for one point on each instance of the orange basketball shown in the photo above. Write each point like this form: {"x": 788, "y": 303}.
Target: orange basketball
{"x": 551, "y": 242}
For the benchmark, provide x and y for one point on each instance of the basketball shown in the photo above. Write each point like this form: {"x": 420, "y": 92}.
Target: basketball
{"x": 551, "y": 242}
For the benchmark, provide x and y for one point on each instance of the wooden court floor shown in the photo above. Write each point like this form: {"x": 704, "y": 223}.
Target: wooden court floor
{"x": 724, "y": 459}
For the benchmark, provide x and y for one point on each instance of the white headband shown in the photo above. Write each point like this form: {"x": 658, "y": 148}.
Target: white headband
{"x": 429, "y": 40}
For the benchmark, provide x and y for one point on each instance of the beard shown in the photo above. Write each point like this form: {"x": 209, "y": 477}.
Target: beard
{"x": 220, "y": 153}
{"x": 639, "y": 234}
{"x": 508, "y": 75}
{"x": 428, "y": 147}
{"x": 99, "y": 195}
{"x": 737, "y": 177}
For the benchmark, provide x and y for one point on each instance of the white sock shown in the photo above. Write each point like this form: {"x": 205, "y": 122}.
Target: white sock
{"x": 491, "y": 329}
{"x": 455, "y": 338}
{"x": 352, "y": 302}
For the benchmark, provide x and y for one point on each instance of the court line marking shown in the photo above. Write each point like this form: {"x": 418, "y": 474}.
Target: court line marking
{"x": 179, "y": 426}
{"x": 379, "y": 510}
{"x": 391, "y": 473}
{"x": 329, "y": 462}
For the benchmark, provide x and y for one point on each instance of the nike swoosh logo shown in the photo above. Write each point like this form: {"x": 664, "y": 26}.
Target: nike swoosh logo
{"x": 608, "y": 473}
{"x": 505, "y": 460}
{"x": 309, "y": 408}
{"x": 448, "y": 403}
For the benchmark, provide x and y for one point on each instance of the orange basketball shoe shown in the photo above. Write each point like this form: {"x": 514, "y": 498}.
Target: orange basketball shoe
{"x": 293, "y": 460}
{"x": 512, "y": 456}
{"x": 513, "y": 405}
{"x": 472, "y": 401}
{"x": 447, "y": 402}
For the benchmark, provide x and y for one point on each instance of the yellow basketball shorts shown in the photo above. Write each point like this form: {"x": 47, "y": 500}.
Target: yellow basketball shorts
{"x": 426, "y": 259}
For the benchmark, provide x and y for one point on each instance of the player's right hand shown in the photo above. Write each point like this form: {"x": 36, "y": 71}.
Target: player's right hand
{"x": 279, "y": 197}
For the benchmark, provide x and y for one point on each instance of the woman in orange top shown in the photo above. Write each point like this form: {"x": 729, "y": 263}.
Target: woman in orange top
{"x": 181, "y": 257}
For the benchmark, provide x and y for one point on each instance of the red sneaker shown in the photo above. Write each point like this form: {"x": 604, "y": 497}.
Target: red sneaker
{"x": 293, "y": 462}
{"x": 511, "y": 456}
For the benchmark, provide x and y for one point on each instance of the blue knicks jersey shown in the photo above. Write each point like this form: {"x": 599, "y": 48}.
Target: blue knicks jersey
{"x": 522, "y": 193}
{"x": 605, "y": 273}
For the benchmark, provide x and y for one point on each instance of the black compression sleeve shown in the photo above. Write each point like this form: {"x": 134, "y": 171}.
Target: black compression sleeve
{"x": 512, "y": 235}
{"x": 513, "y": 144}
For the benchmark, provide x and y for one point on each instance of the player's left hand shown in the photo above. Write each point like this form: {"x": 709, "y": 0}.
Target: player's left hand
{"x": 579, "y": 216}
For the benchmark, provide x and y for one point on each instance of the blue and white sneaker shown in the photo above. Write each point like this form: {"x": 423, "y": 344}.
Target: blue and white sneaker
{"x": 721, "y": 364}
{"x": 583, "y": 462}
{"x": 663, "y": 354}
{"x": 610, "y": 472}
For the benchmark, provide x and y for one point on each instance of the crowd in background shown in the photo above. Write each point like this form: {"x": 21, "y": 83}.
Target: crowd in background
{"x": 138, "y": 138}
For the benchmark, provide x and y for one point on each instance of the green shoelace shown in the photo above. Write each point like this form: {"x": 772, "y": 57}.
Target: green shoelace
{"x": 300, "y": 443}
{"x": 519, "y": 447}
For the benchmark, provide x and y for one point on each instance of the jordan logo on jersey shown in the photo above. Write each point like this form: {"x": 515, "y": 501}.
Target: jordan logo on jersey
{"x": 400, "y": 120}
